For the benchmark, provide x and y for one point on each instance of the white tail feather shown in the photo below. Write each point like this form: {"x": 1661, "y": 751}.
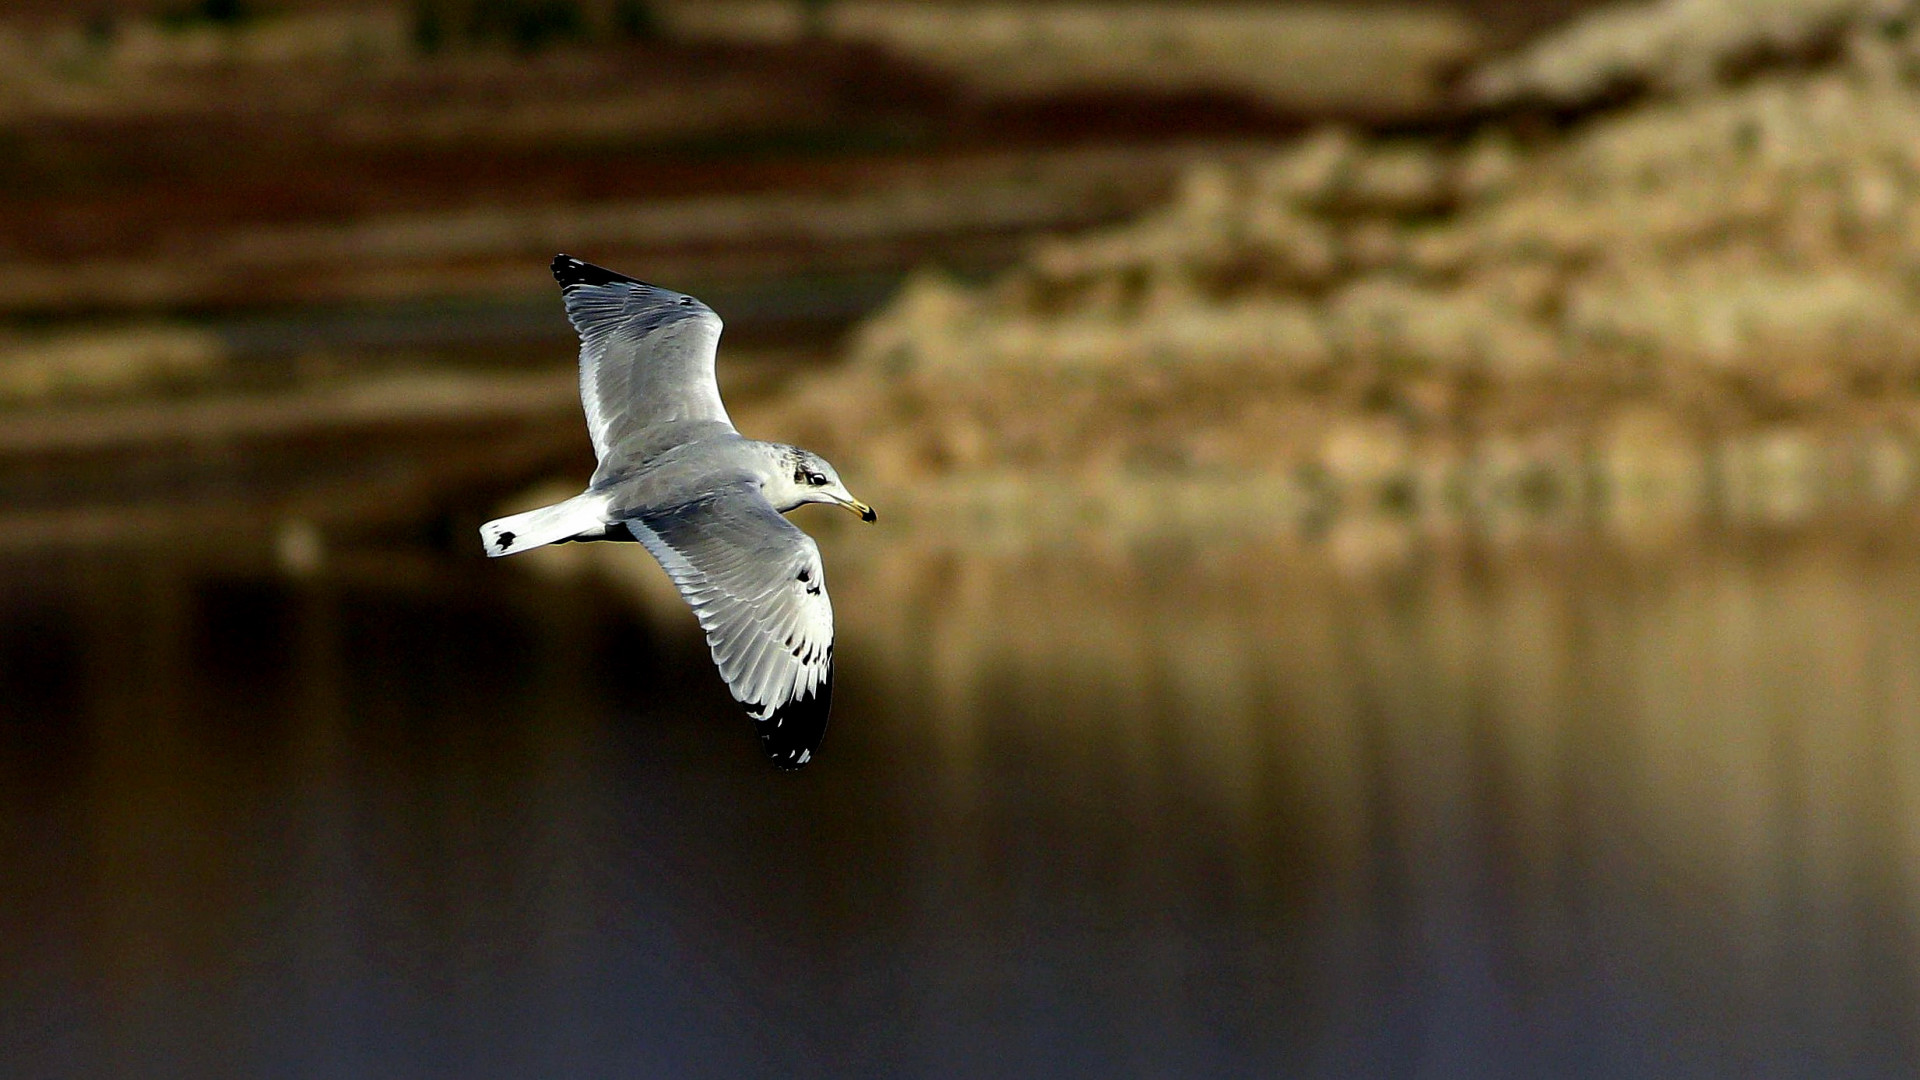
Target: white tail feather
{"x": 561, "y": 521}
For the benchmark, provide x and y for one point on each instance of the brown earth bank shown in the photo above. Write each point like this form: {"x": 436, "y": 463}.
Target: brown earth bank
{"x": 144, "y": 142}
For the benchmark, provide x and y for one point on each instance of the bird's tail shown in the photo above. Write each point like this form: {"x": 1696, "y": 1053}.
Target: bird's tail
{"x": 561, "y": 521}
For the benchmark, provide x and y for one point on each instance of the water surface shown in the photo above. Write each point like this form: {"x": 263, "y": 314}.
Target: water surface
{"x": 1183, "y": 811}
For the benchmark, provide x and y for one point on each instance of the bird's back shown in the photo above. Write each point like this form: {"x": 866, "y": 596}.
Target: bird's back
{"x": 695, "y": 461}
{"x": 663, "y": 445}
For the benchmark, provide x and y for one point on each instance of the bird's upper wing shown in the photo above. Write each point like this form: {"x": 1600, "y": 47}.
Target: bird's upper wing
{"x": 646, "y": 353}
{"x": 756, "y": 584}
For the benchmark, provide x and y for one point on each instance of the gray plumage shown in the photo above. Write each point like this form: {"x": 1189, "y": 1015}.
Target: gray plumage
{"x": 706, "y": 501}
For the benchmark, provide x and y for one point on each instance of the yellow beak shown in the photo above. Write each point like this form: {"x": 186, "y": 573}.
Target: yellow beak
{"x": 866, "y": 512}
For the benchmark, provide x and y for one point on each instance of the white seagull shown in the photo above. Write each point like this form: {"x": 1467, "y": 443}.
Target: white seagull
{"x": 704, "y": 499}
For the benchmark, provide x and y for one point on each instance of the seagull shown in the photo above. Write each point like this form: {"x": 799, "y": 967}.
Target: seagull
{"x": 705, "y": 500}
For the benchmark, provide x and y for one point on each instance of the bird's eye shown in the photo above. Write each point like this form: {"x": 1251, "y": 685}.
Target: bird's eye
{"x": 816, "y": 479}
{"x": 685, "y": 301}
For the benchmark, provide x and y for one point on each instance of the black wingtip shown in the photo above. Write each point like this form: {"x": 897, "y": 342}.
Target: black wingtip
{"x": 568, "y": 270}
{"x": 792, "y": 733}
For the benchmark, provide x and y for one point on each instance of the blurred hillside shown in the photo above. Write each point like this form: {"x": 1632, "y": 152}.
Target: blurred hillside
{"x": 1670, "y": 274}
{"x": 1405, "y": 266}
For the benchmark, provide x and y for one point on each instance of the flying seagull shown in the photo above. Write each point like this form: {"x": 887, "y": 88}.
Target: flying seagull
{"x": 704, "y": 499}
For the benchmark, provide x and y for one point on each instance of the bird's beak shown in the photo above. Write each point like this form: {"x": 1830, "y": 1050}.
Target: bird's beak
{"x": 866, "y": 512}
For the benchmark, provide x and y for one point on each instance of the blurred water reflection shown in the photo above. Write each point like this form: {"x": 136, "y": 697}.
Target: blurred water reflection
{"x": 1183, "y": 811}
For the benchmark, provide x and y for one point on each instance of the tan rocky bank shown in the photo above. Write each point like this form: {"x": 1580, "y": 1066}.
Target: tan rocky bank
{"x": 1674, "y": 276}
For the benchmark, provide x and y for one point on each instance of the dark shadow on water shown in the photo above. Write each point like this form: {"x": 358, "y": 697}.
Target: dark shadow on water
{"x": 1568, "y": 816}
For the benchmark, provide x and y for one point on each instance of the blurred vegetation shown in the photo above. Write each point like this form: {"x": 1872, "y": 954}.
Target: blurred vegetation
{"x": 528, "y": 26}
{"x": 208, "y": 13}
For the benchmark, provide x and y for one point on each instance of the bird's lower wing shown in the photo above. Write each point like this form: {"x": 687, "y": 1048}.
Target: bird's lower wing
{"x": 756, "y": 584}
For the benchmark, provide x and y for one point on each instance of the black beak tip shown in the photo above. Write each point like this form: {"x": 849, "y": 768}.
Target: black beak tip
{"x": 869, "y": 515}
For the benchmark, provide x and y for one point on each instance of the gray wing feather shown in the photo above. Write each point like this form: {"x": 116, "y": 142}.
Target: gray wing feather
{"x": 756, "y": 584}
{"x": 646, "y": 358}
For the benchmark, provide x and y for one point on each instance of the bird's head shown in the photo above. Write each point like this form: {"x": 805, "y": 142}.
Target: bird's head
{"x": 808, "y": 478}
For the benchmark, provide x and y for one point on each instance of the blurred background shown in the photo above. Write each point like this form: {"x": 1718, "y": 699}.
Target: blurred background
{"x": 1396, "y": 550}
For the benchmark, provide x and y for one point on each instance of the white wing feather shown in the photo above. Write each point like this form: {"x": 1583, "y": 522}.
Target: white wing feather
{"x": 646, "y": 354}
{"x": 757, "y": 586}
